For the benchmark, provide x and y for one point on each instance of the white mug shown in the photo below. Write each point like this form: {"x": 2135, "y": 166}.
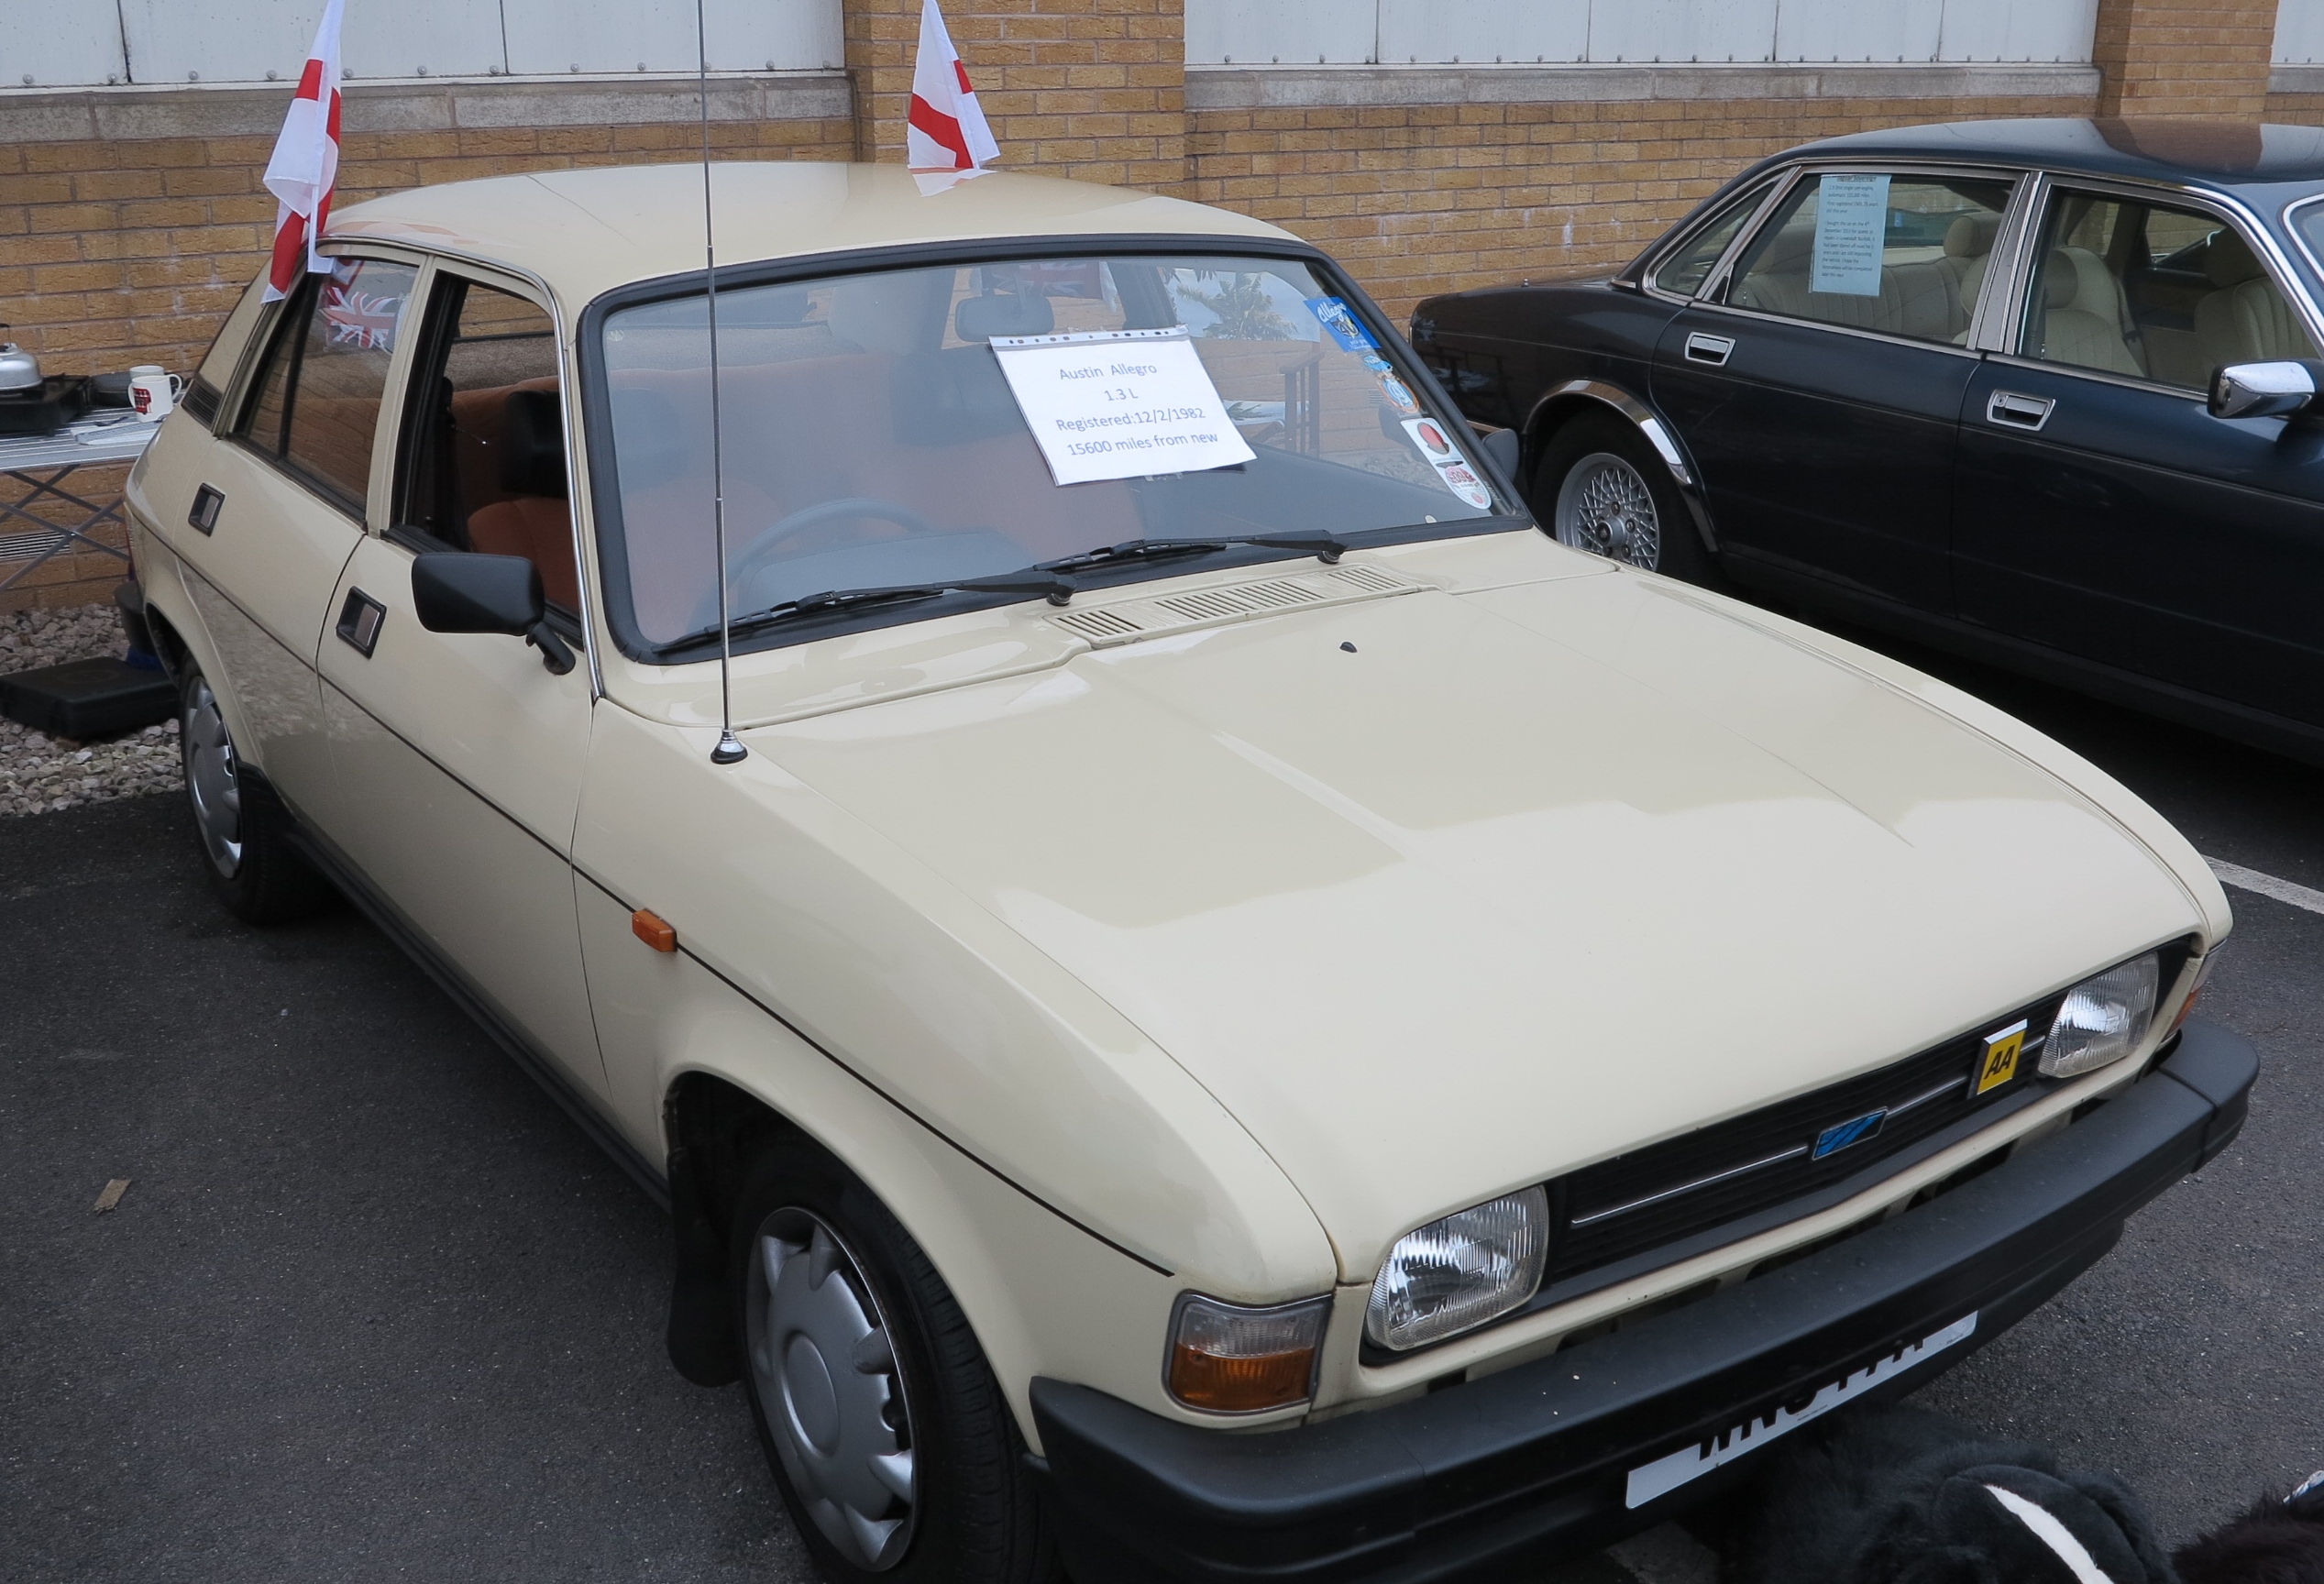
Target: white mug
{"x": 153, "y": 392}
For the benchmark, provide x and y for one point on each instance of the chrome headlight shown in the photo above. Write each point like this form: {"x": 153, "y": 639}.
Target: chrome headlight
{"x": 2102, "y": 1019}
{"x": 1461, "y": 1271}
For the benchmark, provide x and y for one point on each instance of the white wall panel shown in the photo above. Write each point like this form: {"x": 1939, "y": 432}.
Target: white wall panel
{"x": 658, "y": 35}
{"x": 242, "y": 40}
{"x": 1682, "y": 29}
{"x": 2299, "y": 32}
{"x": 1292, "y": 32}
{"x": 1401, "y": 32}
{"x": 1851, "y": 30}
{"x": 60, "y": 42}
{"x": 1482, "y": 31}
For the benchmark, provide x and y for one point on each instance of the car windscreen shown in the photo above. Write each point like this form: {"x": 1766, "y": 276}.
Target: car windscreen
{"x": 917, "y": 426}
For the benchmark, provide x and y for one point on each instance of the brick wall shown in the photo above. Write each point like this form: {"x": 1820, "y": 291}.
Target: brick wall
{"x": 2184, "y": 57}
{"x": 1091, "y": 89}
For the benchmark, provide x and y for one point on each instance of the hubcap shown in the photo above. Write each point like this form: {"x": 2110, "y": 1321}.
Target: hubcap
{"x": 1604, "y": 506}
{"x": 211, "y": 780}
{"x": 828, "y": 1382}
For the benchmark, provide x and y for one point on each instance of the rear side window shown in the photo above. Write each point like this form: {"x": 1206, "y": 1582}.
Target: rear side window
{"x": 315, "y": 405}
{"x": 1685, "y": 270}
{"x": 1901, "y": 255}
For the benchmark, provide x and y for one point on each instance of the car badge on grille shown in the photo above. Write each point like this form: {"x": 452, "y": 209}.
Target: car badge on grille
{"x": 1840, "y": 1135}
{"x": 1999, "y": 1063}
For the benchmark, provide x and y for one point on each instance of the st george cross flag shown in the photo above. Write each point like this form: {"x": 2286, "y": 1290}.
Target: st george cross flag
{"x": 305, "y": 166}
{"x": 947, "y": 130}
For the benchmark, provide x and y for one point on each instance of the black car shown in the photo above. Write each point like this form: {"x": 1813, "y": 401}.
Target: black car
{"x": 2039, "y": 391}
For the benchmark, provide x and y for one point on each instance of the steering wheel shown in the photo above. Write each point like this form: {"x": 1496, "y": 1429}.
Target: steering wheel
{"x": 753, "y": 557}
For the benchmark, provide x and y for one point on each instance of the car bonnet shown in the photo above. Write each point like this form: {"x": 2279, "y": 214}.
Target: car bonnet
{"x": 1444, "y": 894}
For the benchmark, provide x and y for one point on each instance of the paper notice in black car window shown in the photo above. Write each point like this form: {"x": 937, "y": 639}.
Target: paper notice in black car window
{"x": 1119, "y": 403}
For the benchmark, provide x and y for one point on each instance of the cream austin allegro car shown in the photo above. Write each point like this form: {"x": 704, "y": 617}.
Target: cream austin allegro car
{"x": 1257, "y": 1018}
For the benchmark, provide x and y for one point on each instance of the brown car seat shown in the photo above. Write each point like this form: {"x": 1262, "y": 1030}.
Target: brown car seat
{"x": 534, "y": 520}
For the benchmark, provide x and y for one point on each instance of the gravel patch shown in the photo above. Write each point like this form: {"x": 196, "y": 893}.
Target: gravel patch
{"x": 40, "y": 774}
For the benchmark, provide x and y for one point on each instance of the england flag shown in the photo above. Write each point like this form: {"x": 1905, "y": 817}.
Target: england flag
{"x": 305, "y": 166}
{"x": 947, "y": 130}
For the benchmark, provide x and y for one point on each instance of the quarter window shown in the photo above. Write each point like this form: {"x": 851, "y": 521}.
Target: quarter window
{"x": 316, "y": 406}
{"x": 2154, "y": 292}
{"x": 1901, "y": 255}
{"x": 1684, "y": 272}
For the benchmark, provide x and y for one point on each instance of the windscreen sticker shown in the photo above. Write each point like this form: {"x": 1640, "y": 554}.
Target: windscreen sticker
{"x": 1119, "y": 403}
{"x": 1851, "y": 222}
{"x": 1336, "y": 317}
{"x": 1399, "y": 396}
{"x": 1450, "y": 465}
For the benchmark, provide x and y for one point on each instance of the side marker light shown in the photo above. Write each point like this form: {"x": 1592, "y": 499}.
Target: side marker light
{"x": 654, "y": 930}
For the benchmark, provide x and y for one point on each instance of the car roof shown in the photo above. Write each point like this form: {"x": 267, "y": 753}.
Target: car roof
{"x": 585, "y": 232}
{"x": 2225, "y": 154}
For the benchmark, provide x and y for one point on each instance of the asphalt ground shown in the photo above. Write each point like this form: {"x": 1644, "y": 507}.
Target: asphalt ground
{"x": 372, "y": 1307}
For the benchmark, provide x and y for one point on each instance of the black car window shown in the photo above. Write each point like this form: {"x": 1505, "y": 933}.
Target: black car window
{"x": 1901, "y": 254}
{"x": 1685, "y": 270}
{"x": 314, "y": 408}
{"x": 2153, "y": 291}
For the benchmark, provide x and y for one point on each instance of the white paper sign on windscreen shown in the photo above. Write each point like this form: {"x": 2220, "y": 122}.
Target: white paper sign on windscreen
{"x": 1851, "y": 229}
{"x": 1119, "y": 403}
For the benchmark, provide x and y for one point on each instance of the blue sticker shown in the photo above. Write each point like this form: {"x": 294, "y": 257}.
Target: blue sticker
{"x": 1376, "y": 363}
{"x": 1398, "y": 396}
{"x": 1348, "y": 330}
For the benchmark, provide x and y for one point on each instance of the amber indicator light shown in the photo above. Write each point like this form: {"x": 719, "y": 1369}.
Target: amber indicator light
{"x": 1240, "y": 1385}
{"x": 654, "y": 930}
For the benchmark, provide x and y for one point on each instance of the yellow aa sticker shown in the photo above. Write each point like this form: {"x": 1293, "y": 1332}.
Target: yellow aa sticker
{"x": 2001, "y": 1052}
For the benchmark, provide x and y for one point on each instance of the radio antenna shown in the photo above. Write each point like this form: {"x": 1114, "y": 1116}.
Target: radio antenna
{"x": 730, "y": 750}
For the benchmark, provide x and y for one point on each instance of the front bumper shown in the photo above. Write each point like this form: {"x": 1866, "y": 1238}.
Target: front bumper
{"x": 1531, "y": 1465}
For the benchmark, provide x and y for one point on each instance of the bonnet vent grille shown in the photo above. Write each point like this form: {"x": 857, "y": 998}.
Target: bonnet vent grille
{"x": 1106, "y": 625}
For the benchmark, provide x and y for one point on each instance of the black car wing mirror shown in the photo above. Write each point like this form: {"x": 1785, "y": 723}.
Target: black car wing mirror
{"x": 2265, "y": 389}
{"x": 461, "y": 591}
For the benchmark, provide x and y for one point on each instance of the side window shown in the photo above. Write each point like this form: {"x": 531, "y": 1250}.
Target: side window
{"x": 2152, "y": 292}
{"x": 1684, "y": 272}
{"x": 1901, "y": 254}
{"x": 484, "y": 469}
{"x": 315, "y": 406}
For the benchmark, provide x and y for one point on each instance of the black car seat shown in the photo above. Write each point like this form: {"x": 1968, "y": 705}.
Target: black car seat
{"x": 2083, "y": 314}
{"x": 2244, "y": 319}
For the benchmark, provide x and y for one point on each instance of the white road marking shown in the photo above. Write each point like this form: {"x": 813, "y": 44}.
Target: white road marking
{"x": 2244, "y": 879}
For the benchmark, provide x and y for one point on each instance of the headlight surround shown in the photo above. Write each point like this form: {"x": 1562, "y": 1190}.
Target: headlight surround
{"x": 1455, "y": 1274}
{"x": 2102, "y": 1019}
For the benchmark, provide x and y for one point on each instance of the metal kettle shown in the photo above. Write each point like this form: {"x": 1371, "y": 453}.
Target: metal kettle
{"x": 19, "y": 369}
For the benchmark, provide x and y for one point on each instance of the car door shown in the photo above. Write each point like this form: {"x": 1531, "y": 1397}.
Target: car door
{"x": 458, "y": 756}
{"x": 281, "y": 505}
{"x": 2101, "y": 510}
{"x": 1818, "y": 380}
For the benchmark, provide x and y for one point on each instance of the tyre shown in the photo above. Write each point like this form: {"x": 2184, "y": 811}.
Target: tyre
{"x": 243, "y": 833}
{"x": 1601, "y": 488}
{"x": 888, "y": 1436}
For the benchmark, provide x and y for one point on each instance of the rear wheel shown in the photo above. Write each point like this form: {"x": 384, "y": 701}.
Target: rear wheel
{"x": 1601, "y": 488}
{"x": 891, "y": 1441}
{"x": 245, "y": 834}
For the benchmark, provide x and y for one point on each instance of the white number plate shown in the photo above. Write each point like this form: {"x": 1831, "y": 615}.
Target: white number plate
{"x": 1665, "y": 1475}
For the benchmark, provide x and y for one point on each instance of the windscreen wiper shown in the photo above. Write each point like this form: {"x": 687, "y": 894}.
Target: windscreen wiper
{"x": 1041, "y": 581}
{"x": 1328, "y": 548}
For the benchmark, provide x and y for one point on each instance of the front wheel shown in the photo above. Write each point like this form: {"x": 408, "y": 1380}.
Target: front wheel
{"x": 889, "y": 1438}
{"x": 1601, "y": 488}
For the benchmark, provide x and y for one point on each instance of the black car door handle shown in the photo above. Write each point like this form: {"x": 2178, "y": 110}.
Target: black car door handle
{"x": 2012, "y": 411}
{"x": 1712, "y": 350}
{"x": 204, "y": 516}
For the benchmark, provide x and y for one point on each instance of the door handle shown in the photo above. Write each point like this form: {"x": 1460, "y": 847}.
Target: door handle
{"x": 204, "y": 517}
{"x": 1714, "y": 350}
{"x": 360, "y": 621}
{"x": 2015, "y": 411}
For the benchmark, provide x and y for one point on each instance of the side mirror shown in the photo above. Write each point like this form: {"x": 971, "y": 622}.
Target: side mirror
{"x": 2265, "y": 389}
{"x": 458, "y": 591}
{"x": 1506, "y": 447}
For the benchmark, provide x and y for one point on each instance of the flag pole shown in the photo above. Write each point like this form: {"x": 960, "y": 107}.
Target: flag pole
{"x": 729, "y": 750}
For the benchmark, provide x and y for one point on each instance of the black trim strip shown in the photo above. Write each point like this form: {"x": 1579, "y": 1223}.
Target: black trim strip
{"x": 619, "y": 901}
